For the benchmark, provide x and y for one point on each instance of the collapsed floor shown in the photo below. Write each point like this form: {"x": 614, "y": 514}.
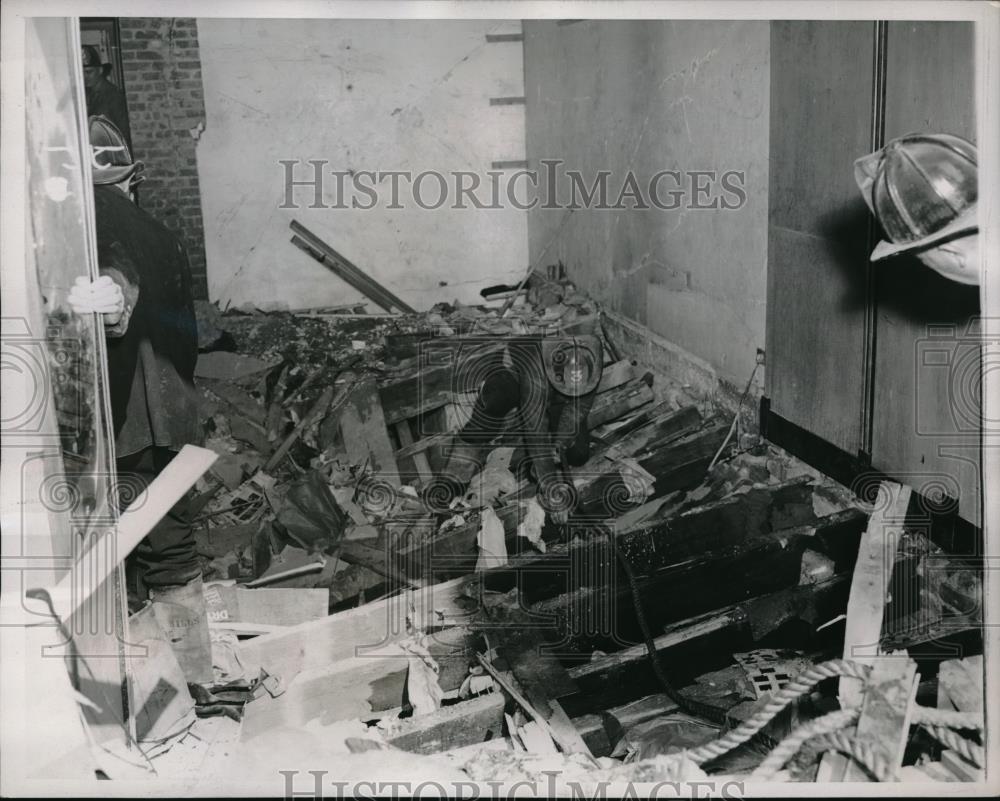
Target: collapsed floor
{"x": 347, "y": 618}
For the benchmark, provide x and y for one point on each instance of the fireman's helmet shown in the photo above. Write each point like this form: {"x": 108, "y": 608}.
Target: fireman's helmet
{"x": 111, "y": 159}
{"x": 922, "y": 188}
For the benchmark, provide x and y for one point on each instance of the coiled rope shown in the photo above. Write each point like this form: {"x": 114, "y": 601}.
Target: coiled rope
{"x": 796, "y": 688}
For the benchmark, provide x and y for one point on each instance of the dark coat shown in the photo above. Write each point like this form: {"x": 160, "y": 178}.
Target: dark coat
{"x": 151, "y": 363}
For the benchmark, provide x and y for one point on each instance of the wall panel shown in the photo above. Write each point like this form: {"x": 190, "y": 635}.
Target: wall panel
{"x": 926, "y": 354}
{"x": 821, "y": 91}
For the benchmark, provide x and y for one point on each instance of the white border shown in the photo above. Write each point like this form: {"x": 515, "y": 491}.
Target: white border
{"x": 985, "y": 14}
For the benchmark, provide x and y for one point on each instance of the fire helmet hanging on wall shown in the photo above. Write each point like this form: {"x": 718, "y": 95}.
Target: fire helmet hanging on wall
{"x": 923, "y": 188}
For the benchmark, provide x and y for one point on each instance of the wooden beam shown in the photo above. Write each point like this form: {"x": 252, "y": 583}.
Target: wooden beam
{"x": 358, "y": 631}
{"x": 346, "y": 270}
{"x": 363, "y": 428}
{"x": 676, "y": 634}
{"x": 872, "y": 574}
{"x": 419, "y": 457}
{"x": 94, "y": 566}
{"x": 731, "y": 616}
{"x": 468, "y": 723}
{"x": 618, "y": 402}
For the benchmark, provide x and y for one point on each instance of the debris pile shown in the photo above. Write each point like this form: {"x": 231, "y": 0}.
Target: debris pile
{"x": 679, "y": 624}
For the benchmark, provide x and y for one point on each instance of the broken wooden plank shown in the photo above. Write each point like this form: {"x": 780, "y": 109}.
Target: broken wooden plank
{"x": 419, "y": 457}
{"x": 618, "y": 402}
{"x": 443, "y": 369}
{"x": 726, "y": 522}
{"x": 677, "y": 633}
{"x": 474, "y": 721}
{"x": 378, "y": 561}
{"x": 363, "y": 428}
{"x": 580, "y": 604}
{"x": 960, "y": 684}
{"x": 872, "y": 574}
{"x": 544, "y": 681}
{"x": 421, "y": 445}
{"x": 569, "y": 742}
{"x": 93, "y": 566}
{"x": 616, "y": 374}
{"x": 317, "y": 410}
{"x": 357, "y": 687}
{"x": 361, "y": 630}
{"x": 960, "y": 768}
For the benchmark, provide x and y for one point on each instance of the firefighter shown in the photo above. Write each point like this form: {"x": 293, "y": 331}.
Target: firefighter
{"x": 104, "y": 99}
{"x": 923, "y": 190}
{"x": 144, "y": 294}
{"x": 537, "y": 401}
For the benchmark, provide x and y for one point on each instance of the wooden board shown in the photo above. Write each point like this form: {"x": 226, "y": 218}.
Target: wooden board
{"x": 363, "y": 429}
{"x": 356, "y": 631}
{"x": 872, "y": 574}
{"x": 270, "y": 606}
{"x": 469, "y": 722}
{"x": 618, "y": 402}
{"x": 419, "y": 457}
{"x": 348, "y": 689}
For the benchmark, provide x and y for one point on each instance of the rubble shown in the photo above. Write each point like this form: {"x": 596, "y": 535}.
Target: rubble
{"x": 331, "y": 427}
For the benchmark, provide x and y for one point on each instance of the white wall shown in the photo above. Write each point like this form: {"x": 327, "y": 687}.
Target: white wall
{"x": 364, "y": 95}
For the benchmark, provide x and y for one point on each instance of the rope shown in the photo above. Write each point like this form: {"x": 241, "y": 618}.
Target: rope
{"x": 947, "y": 717}
{"x": 798, "y": 687}
{"x": 972, "y": 752}
{"x": 936, "y": 721}
{"x": 787, "y": 748}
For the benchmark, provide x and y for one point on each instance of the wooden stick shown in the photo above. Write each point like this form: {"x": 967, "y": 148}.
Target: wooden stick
{"x": 100, "y": 560}
{"x": 301, "y": 570}
{"x": 686, "y": 630}
{"x": 346, "y": 270}
{"x": 567, "y": 746}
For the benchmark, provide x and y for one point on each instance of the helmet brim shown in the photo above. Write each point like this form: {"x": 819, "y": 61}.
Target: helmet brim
{"x": 102, "y": 176}
{"x": 964, "y": 224}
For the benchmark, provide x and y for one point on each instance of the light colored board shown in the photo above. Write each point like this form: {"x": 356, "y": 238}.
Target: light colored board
{"x": 456, "y": 726}
{"x": 886, "y": 710}
{"x": 356, "y": 631}
{"x": 961, "y": 681}
{"x": 348, "y": 689}
{"x": 270, "y": 606}
{"x": 872, "y": 574}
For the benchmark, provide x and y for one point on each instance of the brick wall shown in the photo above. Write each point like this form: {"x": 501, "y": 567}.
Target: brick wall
{"x": 166, "y": 104}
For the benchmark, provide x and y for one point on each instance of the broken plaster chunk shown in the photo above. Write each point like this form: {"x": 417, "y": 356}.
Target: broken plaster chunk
{"x": 531, "y": 524}
{"x": 816, "y": 567}
{"x": 491, "y": 542}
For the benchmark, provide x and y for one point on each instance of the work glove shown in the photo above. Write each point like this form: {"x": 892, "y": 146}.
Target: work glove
{"x": 102, "y": 296}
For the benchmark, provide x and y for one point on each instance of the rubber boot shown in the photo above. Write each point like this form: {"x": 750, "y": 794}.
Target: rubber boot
{"x": 180, "y": 611}
{"x": 464, "y": 461}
